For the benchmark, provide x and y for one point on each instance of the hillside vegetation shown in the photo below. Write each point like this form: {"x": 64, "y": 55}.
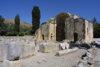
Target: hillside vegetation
{"x": 21, "y": 23}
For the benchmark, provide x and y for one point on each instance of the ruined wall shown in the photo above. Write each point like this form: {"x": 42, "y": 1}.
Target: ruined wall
{"x": 75, "y": 29}
{"x": 74, "y": 16}
{"x": 88, "y": 31}
{"x": 43, "y": 32}
{"x": 52, "y": 29}
{"x": 66, "y": 26}
{"x": 47, "y": 31}
{"x": 27, "y": 46}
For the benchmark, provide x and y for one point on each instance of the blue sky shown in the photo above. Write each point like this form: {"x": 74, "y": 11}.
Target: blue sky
{"x": 49, "y": 8}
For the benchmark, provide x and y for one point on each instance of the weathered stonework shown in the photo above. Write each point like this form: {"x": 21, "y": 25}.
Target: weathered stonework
{"x": 66, "y": 27}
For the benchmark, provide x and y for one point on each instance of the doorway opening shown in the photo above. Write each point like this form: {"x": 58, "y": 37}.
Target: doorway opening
{"x": 75, "y": 37}
{"x": 43, "y": 37}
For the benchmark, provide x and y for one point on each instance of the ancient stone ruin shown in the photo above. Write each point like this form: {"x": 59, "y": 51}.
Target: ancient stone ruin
{"x": 66, "y": 27}
{"x": 63, "y": 34}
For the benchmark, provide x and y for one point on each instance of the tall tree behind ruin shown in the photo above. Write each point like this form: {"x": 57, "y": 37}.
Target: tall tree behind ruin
{"x": 3, "y": 26}
{"x": 35, "y": 18}
{"x": 96, "y": 28}
{"x": 17, "y": 23}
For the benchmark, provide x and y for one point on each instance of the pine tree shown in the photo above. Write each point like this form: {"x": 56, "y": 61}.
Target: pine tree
{"x": 35, "y": 18}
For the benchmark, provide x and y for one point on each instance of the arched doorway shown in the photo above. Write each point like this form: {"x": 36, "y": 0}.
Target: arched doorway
{"x": 60, "y": 28}
{"x": 75, "y": 37}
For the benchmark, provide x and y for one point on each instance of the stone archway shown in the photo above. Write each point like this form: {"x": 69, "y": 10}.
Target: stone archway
{"x": 60, "y": 28}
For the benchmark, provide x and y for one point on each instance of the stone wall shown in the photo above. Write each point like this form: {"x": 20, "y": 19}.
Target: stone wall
{"x": 46, "y": 31}
{"x": 43, "y": 32}
{"x": 75, "y": 28}
{"x": 88, "y": 31}
{"x": 52, "y": 30}
{"x": 48, "y": 47}
{"x": 27, "y": 46}
{"x": 66, "y": 26}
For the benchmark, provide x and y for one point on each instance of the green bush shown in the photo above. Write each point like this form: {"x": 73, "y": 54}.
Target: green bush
{"x": 21, "y": 34}
{"x": 27, "y": 32}
{"x": 12, "y": 33}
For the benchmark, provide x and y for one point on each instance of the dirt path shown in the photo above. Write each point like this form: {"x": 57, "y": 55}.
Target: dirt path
{"x": 50, "y": 60}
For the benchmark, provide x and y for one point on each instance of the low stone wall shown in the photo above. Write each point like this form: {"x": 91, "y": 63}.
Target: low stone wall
{"x": 45, "y": 48}
{"x": 27, "y": 47}
{"x": 50, "y": 46}
{"x": 3, "y": 50}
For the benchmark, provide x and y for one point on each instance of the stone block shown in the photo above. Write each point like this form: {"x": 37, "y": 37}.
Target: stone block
{"x": 67, "y": 46}
{"x": 90, "y": 61}
{"x": 64, "y": 46}
{"x": 27, "y": 48}
{"x": 8, "y": 63}
{"x": 44, "y": 47}
{"x": 3, "y": 51}
{"x": 13, "y": 51}
{"x": 88, "y": 54}
{"x": 81, "y": 65}
{"x": 59, "y": 53}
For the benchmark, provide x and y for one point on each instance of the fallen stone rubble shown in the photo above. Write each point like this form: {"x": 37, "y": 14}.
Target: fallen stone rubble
{"x": 87, "y": 59}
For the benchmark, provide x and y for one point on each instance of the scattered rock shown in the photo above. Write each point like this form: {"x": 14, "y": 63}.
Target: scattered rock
{"x": 77, "y": 42}
{"x": 90, "y": 61}
{"x": 88, "y": 54}
{"x": 64, "y": 46}
{"x": 80, "y": 64}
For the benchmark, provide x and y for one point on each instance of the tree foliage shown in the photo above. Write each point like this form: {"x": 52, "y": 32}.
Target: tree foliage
{"x": 3, "y": 27}
{"x": 35, "y": 18}
{"x": 17, "y": 23}
{"x": 96, "y": 28}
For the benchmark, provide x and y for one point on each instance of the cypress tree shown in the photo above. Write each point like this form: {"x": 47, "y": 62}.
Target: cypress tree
{"x": 17, "y": 23}
{"x": 35, "y": 18}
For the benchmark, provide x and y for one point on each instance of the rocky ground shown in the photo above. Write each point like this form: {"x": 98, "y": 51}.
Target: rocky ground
{"x": 97, "y": 57}
{"x": 50, "y": 60}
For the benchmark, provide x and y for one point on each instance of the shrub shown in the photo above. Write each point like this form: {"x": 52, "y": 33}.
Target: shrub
{"x": 21, "y": 34}
{"x": 27, "y": 32}
{"x": 12, "y": 33}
